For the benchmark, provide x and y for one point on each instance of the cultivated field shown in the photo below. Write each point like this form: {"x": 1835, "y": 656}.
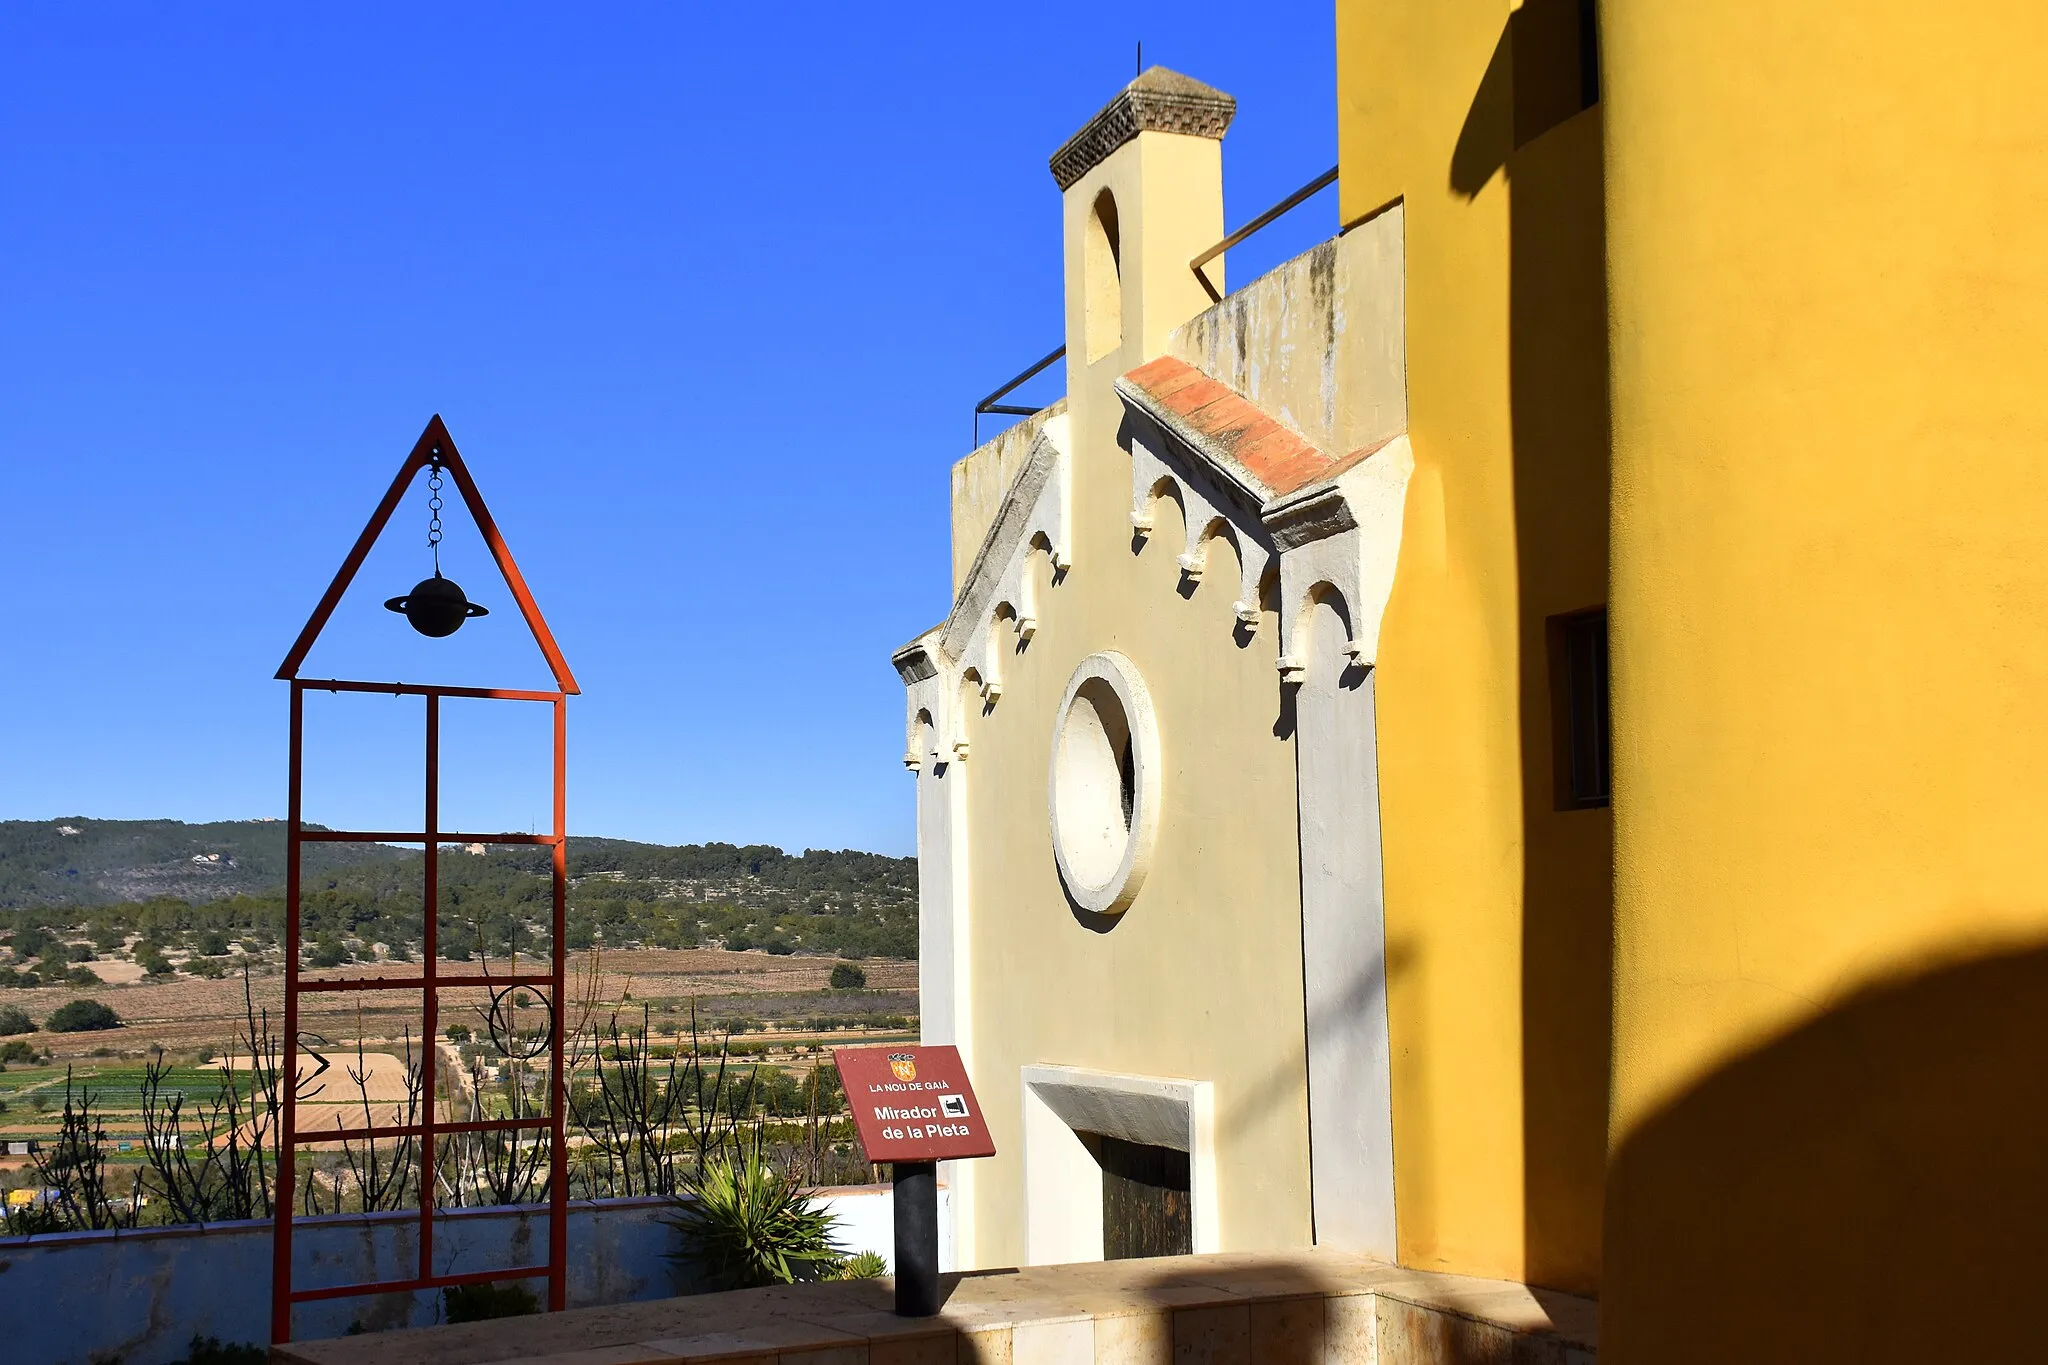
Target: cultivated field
{"x": 783, "y": 1003}
{"x": 186, "y": 1012}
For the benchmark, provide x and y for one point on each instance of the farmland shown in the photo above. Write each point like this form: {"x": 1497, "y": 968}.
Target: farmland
{"x": 752, "y": 959}
{"x": 779, "y": 1010}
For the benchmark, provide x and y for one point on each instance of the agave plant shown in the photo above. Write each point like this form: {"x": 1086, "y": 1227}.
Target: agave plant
{"x": 744, "y": 1226}
{"x": 862, "y": 1265}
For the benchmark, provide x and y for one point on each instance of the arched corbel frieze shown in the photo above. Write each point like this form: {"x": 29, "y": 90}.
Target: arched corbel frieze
{"x": 971, "y": 698}
{"x": 1293, "y": 662}
{"x": 1209, "y": 506}
{"x": 922, "y": 670}
{"x": 1343, "y": 534}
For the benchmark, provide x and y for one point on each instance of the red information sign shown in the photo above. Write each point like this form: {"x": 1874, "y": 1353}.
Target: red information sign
{"x": 913, "y": 1103}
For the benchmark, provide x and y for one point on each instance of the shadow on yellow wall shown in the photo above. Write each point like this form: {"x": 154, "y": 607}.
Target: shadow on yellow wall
{"x": 1530, "y": 120}
{"x": 1872, "y": 1186}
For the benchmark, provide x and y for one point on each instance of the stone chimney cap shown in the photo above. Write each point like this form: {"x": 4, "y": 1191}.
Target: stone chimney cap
{"x": 1158, "y": 101}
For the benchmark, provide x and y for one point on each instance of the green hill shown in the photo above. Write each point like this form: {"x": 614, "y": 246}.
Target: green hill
{"x": 180, "y": 886}
{"x": 77, "y": 861}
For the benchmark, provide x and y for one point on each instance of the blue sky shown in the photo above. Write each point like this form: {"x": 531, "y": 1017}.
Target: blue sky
{"x": 704, "y": 293}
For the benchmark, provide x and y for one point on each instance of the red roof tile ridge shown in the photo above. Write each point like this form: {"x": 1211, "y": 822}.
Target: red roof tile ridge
{"x": 1229, "y": 426}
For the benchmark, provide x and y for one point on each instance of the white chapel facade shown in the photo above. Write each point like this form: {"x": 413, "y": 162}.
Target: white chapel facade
{"x": 1143, "y": 740}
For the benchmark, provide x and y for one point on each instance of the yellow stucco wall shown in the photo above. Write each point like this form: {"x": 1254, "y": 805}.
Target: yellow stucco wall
{"x": 1830, "y": 301}
{"x": 1202, "y": 977}
{"x": 1497, "y": 904}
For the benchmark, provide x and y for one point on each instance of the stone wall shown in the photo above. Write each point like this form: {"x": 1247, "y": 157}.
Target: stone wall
{"x": 140, "y": 1296}
{"x": 1319, "y": 342}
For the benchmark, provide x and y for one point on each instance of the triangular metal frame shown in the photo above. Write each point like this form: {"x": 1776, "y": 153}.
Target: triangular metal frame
{"x": 434, "y": 443}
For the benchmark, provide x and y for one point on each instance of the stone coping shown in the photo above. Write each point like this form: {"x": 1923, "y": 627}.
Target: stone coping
{"x": 377, "y": 1218}
{"x": 1239, "y": 1307}
{"x": 380, "y": 1217}
{"x": 1160, "y": 101}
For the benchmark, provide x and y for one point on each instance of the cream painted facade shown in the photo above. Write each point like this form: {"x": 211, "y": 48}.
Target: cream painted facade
{"x": 1203, "y": 968}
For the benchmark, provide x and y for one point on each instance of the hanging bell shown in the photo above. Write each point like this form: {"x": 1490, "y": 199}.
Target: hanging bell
{"x": 436, "y": 606}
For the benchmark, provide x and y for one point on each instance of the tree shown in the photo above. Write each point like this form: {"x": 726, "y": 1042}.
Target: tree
{"x": 14, "y": 1021}
{"x": 847, "y": 977}
{"x": 81, "y": 1016}
{"x": 30, "y": 942}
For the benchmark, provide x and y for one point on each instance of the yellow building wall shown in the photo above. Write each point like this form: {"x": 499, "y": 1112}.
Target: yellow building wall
{"x": 1497, "y": 904}
{"x": 1201, "y": 978}
{"x": 1830, "y": 652}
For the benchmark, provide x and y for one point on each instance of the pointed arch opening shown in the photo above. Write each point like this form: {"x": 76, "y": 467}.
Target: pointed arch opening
{"x": 1102, "y": 284}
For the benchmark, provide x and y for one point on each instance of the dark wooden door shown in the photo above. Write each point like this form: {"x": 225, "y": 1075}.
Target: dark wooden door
{"x": 1146, "y": 1208}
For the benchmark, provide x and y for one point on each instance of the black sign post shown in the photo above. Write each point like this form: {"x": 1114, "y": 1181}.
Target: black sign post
{"x": 917, "y": 1238}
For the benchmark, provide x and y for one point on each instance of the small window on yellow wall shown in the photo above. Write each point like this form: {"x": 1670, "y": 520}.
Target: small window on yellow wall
{"x": 1102, "y": 284}
{"x": 1578, "y": 696}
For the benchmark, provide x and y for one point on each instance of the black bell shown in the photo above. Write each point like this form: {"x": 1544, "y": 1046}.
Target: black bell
{"x": 436, "y": 606}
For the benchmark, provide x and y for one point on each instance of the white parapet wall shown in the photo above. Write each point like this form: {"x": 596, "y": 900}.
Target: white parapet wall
{"x": 140, "y": 1296}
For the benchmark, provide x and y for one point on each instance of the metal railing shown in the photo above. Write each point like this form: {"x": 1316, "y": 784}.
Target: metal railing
{"x": 990, "y": 406}
{"x": 1321, "y": 182}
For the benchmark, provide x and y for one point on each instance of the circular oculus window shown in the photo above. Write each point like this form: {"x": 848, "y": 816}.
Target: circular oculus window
{"x": 1103, "y": 790}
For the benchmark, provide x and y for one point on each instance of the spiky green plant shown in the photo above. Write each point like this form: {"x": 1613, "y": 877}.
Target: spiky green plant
{"x": 744, "y": 1225}
{"x": 862, "y": 1265}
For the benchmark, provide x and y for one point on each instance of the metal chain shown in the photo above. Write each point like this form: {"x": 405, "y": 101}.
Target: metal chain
{"x": 434, "y": 508}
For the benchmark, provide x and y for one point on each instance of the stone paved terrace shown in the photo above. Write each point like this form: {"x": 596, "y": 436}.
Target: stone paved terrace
{"x": 1315, "y": 1308}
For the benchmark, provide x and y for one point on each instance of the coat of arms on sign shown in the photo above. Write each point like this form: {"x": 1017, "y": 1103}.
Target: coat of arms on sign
{"x": 904, "y": 1065}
